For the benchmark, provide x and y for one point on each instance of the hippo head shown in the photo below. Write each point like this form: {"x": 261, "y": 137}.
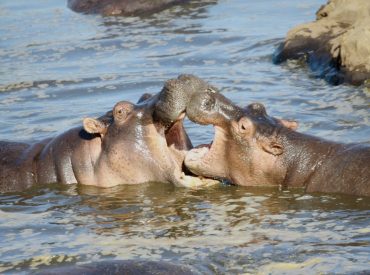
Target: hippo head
{"x": 146, "y": 141}
{"x": 246, "y": 145}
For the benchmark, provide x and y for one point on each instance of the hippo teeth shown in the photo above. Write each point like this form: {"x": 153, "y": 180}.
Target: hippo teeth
{"x": 196, "y": 182}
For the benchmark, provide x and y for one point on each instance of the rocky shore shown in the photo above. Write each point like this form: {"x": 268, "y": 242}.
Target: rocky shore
{"x": 336, "y": 46}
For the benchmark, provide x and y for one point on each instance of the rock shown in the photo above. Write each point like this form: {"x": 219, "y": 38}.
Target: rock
{"x": 336, "y": 46}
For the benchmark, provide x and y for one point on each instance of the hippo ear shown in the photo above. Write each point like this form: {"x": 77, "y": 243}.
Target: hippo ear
{"x": 94, "y": 126}
{"x": 244, "y": 126}
{"x": 256, "y": 109}
{"x": 291, "y": 124}
{"x": 144, "y": 97}
{"x": 272, "y": 146}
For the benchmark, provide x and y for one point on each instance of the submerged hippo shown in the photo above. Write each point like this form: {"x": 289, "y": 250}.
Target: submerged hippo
{"x": 127, "y": 267}
{"x": 122, "y": 7}
{"x": 131, "y": 144}
{"x": 252, "y": 148}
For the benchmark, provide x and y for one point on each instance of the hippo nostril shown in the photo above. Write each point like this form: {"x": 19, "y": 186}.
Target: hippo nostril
{"x": 208, "y": 103}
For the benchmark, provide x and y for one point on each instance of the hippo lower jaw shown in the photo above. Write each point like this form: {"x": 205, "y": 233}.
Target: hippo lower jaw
{"x": 206, "y": 159}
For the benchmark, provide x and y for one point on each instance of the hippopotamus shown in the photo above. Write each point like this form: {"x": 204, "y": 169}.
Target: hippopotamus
{"x": 127, "y": 267}
{"x": 122, "y": 7}
{"x": 133, "y": 143}
{"x": 251, "y": 148}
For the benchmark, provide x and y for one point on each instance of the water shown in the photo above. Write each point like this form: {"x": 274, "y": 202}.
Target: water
{"x": 58, "y": 67}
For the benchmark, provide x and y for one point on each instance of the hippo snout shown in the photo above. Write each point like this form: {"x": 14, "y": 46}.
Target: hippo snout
{"x": 176, "y": 95}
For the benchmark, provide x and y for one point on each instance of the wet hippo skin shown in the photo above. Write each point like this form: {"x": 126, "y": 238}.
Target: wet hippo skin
{"x": 128, "y": 267}
{"x": 122, "y": 7}
{"x": 253, "y": 149}
{"x": 130, "y": 144}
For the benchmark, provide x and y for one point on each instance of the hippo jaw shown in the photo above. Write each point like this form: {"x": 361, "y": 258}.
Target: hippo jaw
{"x": 179, "y": 145}
{"x": 208, "y": 160}
{"x": 211, "y": 160}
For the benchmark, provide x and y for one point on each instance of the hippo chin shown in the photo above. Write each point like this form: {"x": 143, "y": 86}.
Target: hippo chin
{"x": 122, "y": 7}
{"x": 130, "y": 144}
{"x": 251, "y": 148}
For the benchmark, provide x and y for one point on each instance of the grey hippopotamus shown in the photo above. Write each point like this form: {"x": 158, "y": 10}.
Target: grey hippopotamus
{"x": 251, "y": 148}
{"x": 130, "y": 144}
{"x": 122, "y": 7}
{"x": 336, "y": 45}
{"x": 127, "y": 267}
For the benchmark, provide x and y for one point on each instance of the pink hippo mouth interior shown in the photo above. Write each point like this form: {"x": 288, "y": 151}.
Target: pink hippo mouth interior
{"x": 207, "y": 159}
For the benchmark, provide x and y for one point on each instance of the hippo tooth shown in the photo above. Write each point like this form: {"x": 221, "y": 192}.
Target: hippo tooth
{"x": 195, "y": 182}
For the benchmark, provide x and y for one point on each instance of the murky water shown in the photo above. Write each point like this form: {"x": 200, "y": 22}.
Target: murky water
{"x": 58, "y": 67}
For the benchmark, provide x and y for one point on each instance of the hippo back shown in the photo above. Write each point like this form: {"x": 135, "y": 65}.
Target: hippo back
{"x": 128, "y": 267}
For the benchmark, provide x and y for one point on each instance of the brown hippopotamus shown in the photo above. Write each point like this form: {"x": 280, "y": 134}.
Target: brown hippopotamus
{"x": 122, "y": 7}
{"x": 131, "y": 144}
{"x": 336, "y": 45}
{"x": 251, "y": 148}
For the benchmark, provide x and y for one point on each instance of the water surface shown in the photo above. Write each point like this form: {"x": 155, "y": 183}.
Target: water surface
{"x": 58, "y": 67}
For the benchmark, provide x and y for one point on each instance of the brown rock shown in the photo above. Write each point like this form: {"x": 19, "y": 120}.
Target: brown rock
{"x": 336, "y": 45}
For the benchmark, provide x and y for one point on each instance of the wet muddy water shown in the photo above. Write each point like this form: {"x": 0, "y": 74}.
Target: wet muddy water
{"x": 58, "y": 67}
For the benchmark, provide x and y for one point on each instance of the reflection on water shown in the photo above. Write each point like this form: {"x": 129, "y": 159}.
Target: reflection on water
{"x": 56, "y": 63}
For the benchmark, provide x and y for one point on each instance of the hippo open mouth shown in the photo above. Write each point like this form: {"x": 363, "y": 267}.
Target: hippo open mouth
{"x": 180, "y": 146}
{"x": 170, "y": 107}
{"x": 211, "y": 160}
{"x": 206, "y": 159}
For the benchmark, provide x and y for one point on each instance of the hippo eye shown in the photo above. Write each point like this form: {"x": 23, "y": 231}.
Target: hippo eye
{"x": 121, "y": 112}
